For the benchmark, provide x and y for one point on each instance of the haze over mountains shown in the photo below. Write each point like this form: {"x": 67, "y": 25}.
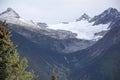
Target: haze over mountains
{"x": 86, "y": 49}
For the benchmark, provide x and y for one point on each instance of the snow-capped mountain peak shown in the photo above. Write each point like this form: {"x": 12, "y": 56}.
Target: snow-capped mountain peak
{"x": 10, "y": 13}
{"x": 111, "y": 11}
{"x": 13, "y": 17}
{"x": 105, "y": 17}
{"x": 83, "y": 17}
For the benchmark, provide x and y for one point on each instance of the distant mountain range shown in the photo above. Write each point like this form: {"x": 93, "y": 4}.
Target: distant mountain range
{"x": 87, "y": 49}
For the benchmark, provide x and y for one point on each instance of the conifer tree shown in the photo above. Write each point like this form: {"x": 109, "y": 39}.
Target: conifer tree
{"x": 54, "y": 76}
{"x": 11, "y": 66}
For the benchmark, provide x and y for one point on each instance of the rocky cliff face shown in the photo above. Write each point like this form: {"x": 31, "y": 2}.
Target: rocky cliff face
{"x": 83, "y": 17}
{"x": 105, "y": 17}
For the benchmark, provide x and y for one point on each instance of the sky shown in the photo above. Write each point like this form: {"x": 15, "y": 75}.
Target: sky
{"x": 56, "y": 11}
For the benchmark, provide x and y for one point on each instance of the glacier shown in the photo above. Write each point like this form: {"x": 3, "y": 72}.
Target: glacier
{"x": 84, "y": 29}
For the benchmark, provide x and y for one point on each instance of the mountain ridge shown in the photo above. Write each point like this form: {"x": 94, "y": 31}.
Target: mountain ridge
{"x": 83, "y": 17}
{"x": 105, "y": 52}
{"x": 107, "y": 16}
{"x": 46, "y": 53}
{"x": 11, "y": 13}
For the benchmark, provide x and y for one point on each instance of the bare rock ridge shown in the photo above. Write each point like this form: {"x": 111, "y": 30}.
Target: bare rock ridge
{"x": 105, "y": 17}
{"x": 10, "y": 13}
{"x": 83, "y": 17}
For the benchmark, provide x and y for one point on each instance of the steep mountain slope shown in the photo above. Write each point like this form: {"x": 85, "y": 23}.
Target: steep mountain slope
{"x": 42, "y": 58}
{"x": 101, "y": 61}
{"x": 105, "y": 17}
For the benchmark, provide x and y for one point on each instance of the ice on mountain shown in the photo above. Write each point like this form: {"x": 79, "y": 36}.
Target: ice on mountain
{"x": 84, "y": 29}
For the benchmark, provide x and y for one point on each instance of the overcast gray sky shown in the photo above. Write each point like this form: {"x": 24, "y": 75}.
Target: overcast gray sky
{"x": 55, "y": 11}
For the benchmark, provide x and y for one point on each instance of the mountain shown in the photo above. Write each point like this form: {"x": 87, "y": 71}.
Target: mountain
{"x": 75, "y": 50}
{"x": 105, "y": 17}
{"x": 83, "y": 17}
{"x": 42, "y": 58}
{"x": 10, "y": 13}
{"x": 100, "y": 61}
{"x": 34, "y": 31}
{"x": 11, "y": 17}
{"x": 84, "y": 29}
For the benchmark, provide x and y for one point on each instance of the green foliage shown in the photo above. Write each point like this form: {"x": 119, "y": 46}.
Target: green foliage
{"x": 11, "y": 66}
{"x": 54, "y": 76}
